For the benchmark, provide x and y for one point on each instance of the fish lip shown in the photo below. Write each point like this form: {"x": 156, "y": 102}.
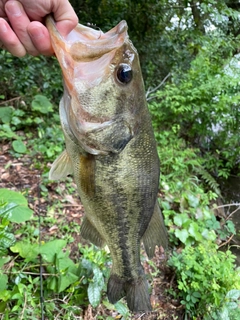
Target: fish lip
{"x": 86, "y": 44}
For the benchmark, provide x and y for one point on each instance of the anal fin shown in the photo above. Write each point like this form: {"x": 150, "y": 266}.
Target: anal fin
{"x": 89, "y": 232}
{"x": 156, "y": 233}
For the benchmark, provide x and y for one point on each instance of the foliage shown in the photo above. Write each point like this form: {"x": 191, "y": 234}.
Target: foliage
{"x": 187, "y": 205}
{"x": 207, "y": 280}
{"x": 54, "y": 278}
{"x": 203, "y": 106}
{"x": 43, "y": 134}
{"x": 13, "y": 208}
{"x": 189, "y": 217}
{"x": 29, "y": 76}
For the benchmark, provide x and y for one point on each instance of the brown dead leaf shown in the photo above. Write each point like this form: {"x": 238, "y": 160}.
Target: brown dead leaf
{"x": 5, "y": 176}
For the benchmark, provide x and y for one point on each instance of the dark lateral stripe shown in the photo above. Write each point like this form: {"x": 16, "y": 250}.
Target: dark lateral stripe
{"x": 87, "y": 174}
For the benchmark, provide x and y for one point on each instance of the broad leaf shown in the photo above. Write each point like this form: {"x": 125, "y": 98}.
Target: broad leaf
{"x": 233, "y": 294}
{"x": 94, "y": 294}
{"x": 3, "y": 281}
{"x": 66, "y": 280}
{"x": 182, "y": 235}
{"x": 26, "y": 250}
{"x": 19, "y": 146}
{"x": 42, "y": 104}
{"x": 50, "y": 249}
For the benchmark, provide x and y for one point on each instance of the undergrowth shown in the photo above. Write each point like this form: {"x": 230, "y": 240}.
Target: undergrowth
{"x": 207, "y": 279}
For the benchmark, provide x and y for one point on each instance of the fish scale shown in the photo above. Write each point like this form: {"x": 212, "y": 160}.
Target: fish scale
{"x": 111, "y": 152}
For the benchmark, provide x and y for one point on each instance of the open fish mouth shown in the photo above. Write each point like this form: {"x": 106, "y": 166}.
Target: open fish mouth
{"x": 83, "y": 45}
{"x": 89, "y": 59}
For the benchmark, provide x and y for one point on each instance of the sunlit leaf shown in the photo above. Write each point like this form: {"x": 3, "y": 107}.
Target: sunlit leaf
{"x": 182, "y": 235}
{"x": 19, "y": 146}
{"x": 42, "y": 104}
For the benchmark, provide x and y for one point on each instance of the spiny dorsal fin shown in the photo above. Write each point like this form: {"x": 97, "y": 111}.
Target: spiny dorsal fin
{"x": 61, "y": 167}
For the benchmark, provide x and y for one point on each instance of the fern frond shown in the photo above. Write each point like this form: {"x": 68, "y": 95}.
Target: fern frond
{"x": 208, "y": 179}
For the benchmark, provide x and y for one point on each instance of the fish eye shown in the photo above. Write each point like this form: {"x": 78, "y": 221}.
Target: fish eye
{"x": 124, "y": 73}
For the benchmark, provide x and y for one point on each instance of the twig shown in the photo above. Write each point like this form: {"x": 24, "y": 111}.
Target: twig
{"x": 229, "y": 216}
{"x": 13, "y": 99}
{"x": 149, "y": 90}
{"x": 72, "y": 205}
{"x": 32, "y": 273}
{"x": 24, "y": 306}
{"x": 226, "y": 242}
{"x": 227, "y": 205}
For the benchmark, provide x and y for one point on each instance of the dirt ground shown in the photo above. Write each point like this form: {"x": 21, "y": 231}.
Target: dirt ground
{"x": 20, "y": 175}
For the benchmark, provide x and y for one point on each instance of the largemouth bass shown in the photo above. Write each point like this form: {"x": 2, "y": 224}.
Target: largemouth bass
{"x": 111, "y": 152}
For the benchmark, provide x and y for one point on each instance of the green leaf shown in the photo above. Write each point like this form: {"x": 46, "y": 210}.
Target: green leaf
{"x": 193, "y": 200}
{"x": 16, "y": 206}
{"x": 66, "y": 280}
{"x": 42, "y": 104}
{"x": 209, "y": 235}
{"x": 4, "y": 260}
{"x": 21, "y": 214}
{"x": 108, "y": 305}
{"x": 19, "y": 146}
{"x": 233, "y": 294}
{"x": 182, "y": 235}
{"x": 10, "y": 196}
{"x": 26, "y": 250}
{"x": 122, "y": 309}
{"x": 6, "y": 240}
{"x": 52, "y": 284}
{"x": 51, "y": 249}
{"x": 232, "y": 305}
{"x": 64, "y": 262}
{"x": 94, "y": 294}
{"x": 6, "y": 132}
{"x": 180, "y": 219}
{"x": 3, "y": 306}
{"x": 16, "y": 213}
{"x": 3, "y": 281}
{"x": 5, "y": 114}
{"x": 193, "y": 231}
{"x": 224, "y": 315}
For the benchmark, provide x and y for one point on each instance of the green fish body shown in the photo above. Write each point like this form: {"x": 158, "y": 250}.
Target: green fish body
{"x": 111, "y": 152}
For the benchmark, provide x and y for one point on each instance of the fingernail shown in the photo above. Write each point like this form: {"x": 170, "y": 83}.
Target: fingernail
{"x": 14, "y": 8}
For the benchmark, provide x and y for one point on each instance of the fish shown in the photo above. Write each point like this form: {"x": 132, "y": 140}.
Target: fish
{"x": 111, "y": 152}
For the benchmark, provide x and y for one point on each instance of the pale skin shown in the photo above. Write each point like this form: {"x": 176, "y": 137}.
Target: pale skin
{"x": 22, "y": 28}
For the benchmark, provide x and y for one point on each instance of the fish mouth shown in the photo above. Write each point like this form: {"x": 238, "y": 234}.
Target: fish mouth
{"x": 86, "y": 44}
{"x": 86, "y": 58}
{"x": 85, "y": 53}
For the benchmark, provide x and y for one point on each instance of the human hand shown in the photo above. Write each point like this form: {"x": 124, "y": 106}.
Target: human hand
{"x": 22, "y": 28}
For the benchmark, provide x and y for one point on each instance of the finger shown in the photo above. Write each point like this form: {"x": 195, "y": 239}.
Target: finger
{"x": 40, "y": 38}
{"x": 19, "y": 22}
{"x": 65, "y": 16}
{"x": 10, "y": 41}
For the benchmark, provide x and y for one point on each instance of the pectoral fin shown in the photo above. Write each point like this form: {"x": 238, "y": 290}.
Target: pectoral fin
{"x": 61, "y": 167}
{"x": 156, "y": 233}
{"x": 89, "y": 232}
